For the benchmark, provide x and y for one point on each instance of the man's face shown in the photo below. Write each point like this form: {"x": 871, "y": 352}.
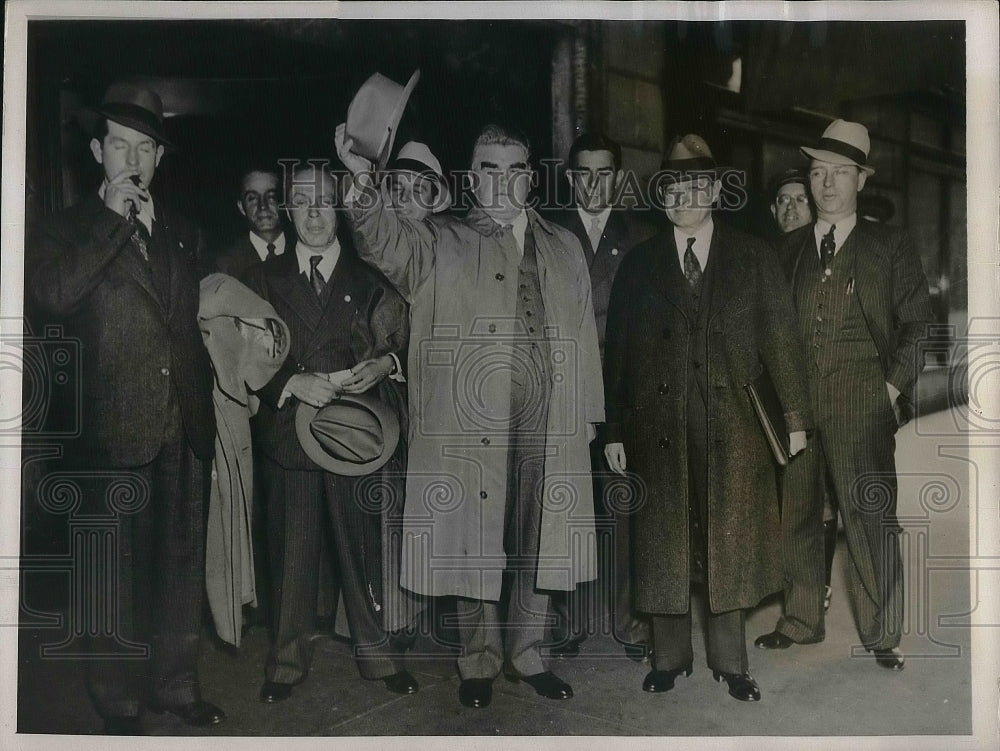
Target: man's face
{"x": 791, "y": 208}
{"x": 311, "y": 205}
{"x": 259, "y": 203}
{"x": 123, "y": 149}
{"x": 835, "y": 188}
{"x": 594, "y": 180}
{"x": 501, "y": 178}
{"x": 412, "y": 195}
{"x": 689, "y": 202}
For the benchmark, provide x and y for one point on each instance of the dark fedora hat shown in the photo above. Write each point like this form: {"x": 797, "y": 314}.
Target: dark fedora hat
{"x": 132, "y": 106}
{"x": 353, "y": 435}
{"x": 373, "y": 116}
{"x": 793, "y": 175}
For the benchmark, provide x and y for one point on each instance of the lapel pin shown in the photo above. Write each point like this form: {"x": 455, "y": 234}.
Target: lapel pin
{"x": 614, "y": 251}
{"x": 347, "y": 298}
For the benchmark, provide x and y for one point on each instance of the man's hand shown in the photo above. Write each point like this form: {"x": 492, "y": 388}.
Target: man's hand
{"x": 312, "y": 388}
{"x": 615, "y": 454}
{"x": 796, "y": 442}
{"x": 591, "y": 432}
{"x": 121, "y": 192}
{"x": 354, "y": 162}
{"x": 893, "y": 393}
{"x": 366, "y": 374}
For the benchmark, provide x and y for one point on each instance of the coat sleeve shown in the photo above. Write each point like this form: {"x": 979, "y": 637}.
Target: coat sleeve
{"x": 402, "y": 249}
{"x": 781, "y": 348}
{"x": 911, "y": 312}
{"x": 70, "y": 260}
{"x": 589, "y": 349}
{"x": 390, "y": 325}
{"x": 616, "y": 354}
{"x": 270, "y": 392}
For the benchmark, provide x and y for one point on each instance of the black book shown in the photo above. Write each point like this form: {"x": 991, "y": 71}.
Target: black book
{"x": 770, "y": 414}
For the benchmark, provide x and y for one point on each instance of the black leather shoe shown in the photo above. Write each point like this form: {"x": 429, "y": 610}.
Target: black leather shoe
{"x": 827, "y": 597}
{"x": 197, "y": 714}
{"x": 122, "y": 726}
{"x": 475, "y": 693}
{"x": 272, "y": 692}
{"x": 890, "y": 659}
{"x": 661, "y": 681}
{"x": 401, "y": 683}
{"x": 546, "y": 684}
{"x": 773, "y": 640}
{"x": 741, "y": 685}
{"x": 569, "y": 648}
{"x": 638, "y": 652}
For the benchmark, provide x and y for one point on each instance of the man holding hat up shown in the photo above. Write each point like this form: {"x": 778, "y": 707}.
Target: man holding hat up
{"x": 863, "y": 304}
{"x": 696, "y": 312}
{"x": 415, "y": 183}
{"x": 120, "y": 268}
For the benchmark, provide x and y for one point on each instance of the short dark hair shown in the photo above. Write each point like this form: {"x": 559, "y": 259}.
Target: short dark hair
{"x": 502, "y": 135}
{"x": 595, "y": 142}
{"x": 268, "y": 168}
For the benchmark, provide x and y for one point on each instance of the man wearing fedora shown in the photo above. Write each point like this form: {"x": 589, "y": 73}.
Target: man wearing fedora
{"x": 505, "y": 389}
{"x": 349, "y": 331}
{"x": 695, "y": 313}
{"x": 606, "y": 233}
{"x": 416, "y": 186}
{"x": 791, "y": 204}
{"x": 863, "y": 305}
{"x": 258, "y": 203}
{"x": 121, "y": 269}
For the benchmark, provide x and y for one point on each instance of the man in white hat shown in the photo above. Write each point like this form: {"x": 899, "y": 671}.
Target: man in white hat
{"x": 498, "y": 483}
{"x": 119, "y": 269}
{"x": 415, "y": 183}
{"x": 696, "y": 312}
{"x": 863, "y": 305}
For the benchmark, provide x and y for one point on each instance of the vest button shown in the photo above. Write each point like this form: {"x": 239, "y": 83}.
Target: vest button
{"x": 664, "y": 443}
{"x": 664, "y": 388}
{"x": 165, "y": 371}
{"x": 500, "y": 277}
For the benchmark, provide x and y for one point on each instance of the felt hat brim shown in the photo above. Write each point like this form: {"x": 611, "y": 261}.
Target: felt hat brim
{"x": 387, "y": 420}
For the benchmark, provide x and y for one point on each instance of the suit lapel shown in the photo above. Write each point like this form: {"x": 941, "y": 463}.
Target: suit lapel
{"x": 340, "y": 302}
{"x": 291, "y": 286}
{"x": 666, "y": 276}
{"x": 728, "y": 276}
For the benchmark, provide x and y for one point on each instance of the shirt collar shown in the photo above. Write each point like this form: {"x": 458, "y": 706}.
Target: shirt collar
{"x": 588, "y": 219}
{"x": 331, "y": 254}
{"x": 146, "y": 215}
{"x": 843, "y": 229}
{"x": 702, "y": 242}
{"x": 260, "y": 245}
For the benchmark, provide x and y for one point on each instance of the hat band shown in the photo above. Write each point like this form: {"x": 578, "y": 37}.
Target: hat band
{"x": 412, "y": 165}
{"x": 138, "y": 115}
{"x": 844, "y": 149}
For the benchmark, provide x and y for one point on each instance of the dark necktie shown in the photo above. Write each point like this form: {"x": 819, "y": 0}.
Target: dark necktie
{"x": 315, "y": 277}
{"x": 140, "y": 235}
{"x": 828, "y": 247}
{"x": 692, "y": 269}
{"x": 270, "y": 252}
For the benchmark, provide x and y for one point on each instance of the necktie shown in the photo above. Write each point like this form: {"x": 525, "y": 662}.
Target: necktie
{"x": 270, "y": 252}
{"x": 315, "y": 277}
{"x": 692, "y": 269}
{"x": 828, "y": 247}
{"x": 595, "y": 233}
{"x": 140, "y": 235}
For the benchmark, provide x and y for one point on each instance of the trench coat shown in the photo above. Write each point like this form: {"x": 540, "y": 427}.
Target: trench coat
{"x": 240, "y": 359}
{"x": 648, "y": 356}
{"x": 460, "y": 278}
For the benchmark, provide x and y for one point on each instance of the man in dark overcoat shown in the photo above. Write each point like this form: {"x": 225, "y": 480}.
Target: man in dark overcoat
{"x": 696, "y": 313}
{"x": 862, "y": 306}
{"x": 341, "y": 315}
{"x": 606, "y": 232}
{"x": 120, "y": 269}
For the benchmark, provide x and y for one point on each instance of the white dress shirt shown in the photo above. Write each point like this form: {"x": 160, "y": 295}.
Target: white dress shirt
{"x": 260, "y": 245}
{"x": 588, "y": 221}
{"x": 840, "y": 234}
{"x": 331, "y": 254}
{"x": 702, "y": 243}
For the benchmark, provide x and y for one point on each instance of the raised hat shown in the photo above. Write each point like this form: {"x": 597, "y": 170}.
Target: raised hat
{"x": 417, "y": 157}
{"x": 843, "y": 142}
{"x": 373, "y": 116}
{"x": 353, "y": 435}
{"x": 689, "y": 153}
{"x": 132, "y": 106}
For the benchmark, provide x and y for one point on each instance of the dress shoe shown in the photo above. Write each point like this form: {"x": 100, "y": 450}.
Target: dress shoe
{"x": 273, "y": 691}
{"x": 197, "y": 714}
{"x": 401, "y": 683}
{"x": 475, "y": 693}
{"x": 661, "y": 681}
{"x": 568, "y": 648}
{"x": 741, "y": 685}
{"x": 890, "y": 659}
{"x": 638, "y": 652}
{"x": 122, "y": 726}
{"x": 827, "y": 596}
{"x": 546, "y": 684}
{"x": 773, "y": 640}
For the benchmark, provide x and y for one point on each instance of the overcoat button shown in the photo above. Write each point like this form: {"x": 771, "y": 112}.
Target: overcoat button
{"x": 664, "y": 442}
{"x": 492, "y": 328}
{"x": 165, "y": 371}
{"x": 664, "y": 388}
{"x": 482, "y": 494}
{"x": 500, "y": 277}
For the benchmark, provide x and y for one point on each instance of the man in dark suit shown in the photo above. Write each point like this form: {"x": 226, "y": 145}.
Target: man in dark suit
{"x": 341, "y": 315}
{"x": 120, "y": 269}
{"x": 697, "y": 312}
{"x": 863, "y": 304}
{"x": 260, "y": 196}
{"x": 606, "y": 234}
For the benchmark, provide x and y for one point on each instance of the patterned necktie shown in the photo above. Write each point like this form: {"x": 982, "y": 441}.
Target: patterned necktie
{"x": 315, "y": 277}
{"x": 140, "y": 235}
{"x": 692, "y": 269}
{"x": 828, "y": 247}
{"x": 270, "y": 252}
{"x": 595, "y": 232}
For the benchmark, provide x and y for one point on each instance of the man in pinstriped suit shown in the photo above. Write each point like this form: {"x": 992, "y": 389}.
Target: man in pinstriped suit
{"x": 862, "y": 304}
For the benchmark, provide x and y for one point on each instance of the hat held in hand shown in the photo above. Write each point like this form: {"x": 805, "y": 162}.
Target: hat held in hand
{"x": 353, "y": 435}
{"x": 374, "y": 114}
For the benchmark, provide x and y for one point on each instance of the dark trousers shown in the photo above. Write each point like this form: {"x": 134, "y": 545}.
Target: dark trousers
{"x": 298, "y": 505}
{"x": 725, "y": 641}
{"x": 160, "y": 588}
